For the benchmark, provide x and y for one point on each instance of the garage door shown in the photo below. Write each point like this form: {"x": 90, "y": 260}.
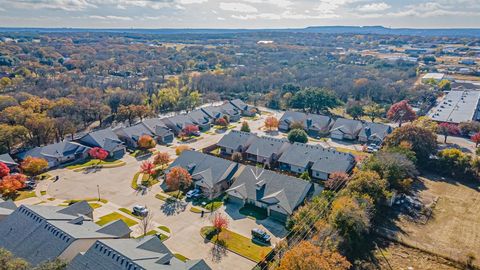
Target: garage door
{"x": 278, "y": 216}
{"x": 235, "y": 200}
{"x": 118, "y": 154}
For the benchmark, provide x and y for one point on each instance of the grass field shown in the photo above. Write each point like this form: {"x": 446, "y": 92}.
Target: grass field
{"x": 115, "y": 216}
{"x": 96, "y": 162}
{"x": 22, "y": 195}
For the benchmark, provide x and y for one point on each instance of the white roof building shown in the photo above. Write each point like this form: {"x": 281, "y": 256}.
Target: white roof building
{"x": 435, "y": 76}
{"x": 457, "y": 107}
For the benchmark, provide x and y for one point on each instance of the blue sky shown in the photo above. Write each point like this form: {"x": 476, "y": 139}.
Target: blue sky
{"x": 238, "y": 13}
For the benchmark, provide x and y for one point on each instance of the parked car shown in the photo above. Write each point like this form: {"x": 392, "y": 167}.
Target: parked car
{"x": 260, "y": 235}
{"x": 30, "y": 184}
{"x": 140, "y": 210}
{"x": 194, "y": 194}
{"x": 372, "y": 148}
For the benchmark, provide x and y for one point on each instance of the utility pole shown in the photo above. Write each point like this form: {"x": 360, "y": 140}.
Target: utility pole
{"x": 98, "y": 191}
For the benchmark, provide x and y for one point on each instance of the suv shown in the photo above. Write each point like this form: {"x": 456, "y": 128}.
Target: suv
{"x": 140, "y": 210}
{"x": 194, "y": 194}
{"x": 260, "y": 235}
{"x": 30, "y": 184}
{"x": 372, "y": 148}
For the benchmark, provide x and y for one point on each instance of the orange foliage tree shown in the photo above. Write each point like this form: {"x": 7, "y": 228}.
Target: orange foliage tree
{"x": 33, "y": 166}
{"x": 11, "y": 183}
{"x": 148, "y": 167}
{"x": 271, "y": 123}
{"x": 178, "y": 179}
{"x": 161, "y": 159}
{"x": 146, "y": 142}
{"x": 4, "y": 170}
{"x": 336, "y": 180}
{"x": 307, "y": 256}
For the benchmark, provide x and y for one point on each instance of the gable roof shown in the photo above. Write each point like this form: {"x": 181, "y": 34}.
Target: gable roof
{"x": 267, "y": 146}
{"x": 7, "y": 207}
{"x": 199, "y": 117}
{"x": 238, "y": 103}
{"x": 375, "y": 130}
{"x": 229, "y": 109}
{"x": 146, "y": 253}
{"x": 136, "y": 131}
{"x": 213, "y": 111}
{"x": 271, "y": 188}
{"x": 104, "y": 138}
{"x": 38, "y": 233}
{"x": 179, "y": 121}
{"x": 55, "y": 151}
{"x": 207, "y": 169}
{"x": 156, "y": 126}
{"x": 347, "y": 126}
{"x": 236, "y": 139}
{"x": 309, "y": 121}
{"x": 7, "y": 160}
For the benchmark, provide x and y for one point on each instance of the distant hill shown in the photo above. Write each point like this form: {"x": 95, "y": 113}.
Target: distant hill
{"x": 380, "y": 30}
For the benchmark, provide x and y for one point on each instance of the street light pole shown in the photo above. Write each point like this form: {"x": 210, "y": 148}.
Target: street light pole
{"x": 98, "y": 191}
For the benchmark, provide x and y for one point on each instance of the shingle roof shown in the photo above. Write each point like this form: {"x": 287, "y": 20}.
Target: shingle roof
{"x": 229, "y": 109}
{"x": 199, "y": 117}
{"x": 270, "y": 188}
{"x": 136, "y": 131}
{"x": 180, "y": 121}
{"x": 236, "y": 139}
{"x": 104, "y": 138}
{"x": 205, "y": 168}
{"x": 376, "y": 130}
{"x": 55, "y": 151}
{"x": 156, "y": 126}
{"x": 7, "y": 159}
{"x": 239, "y": 104}
{"x": 309, "y": 121}
{"x": 7, "y": 207}
{"x": 347, "y": 126}
{"x": 266, "y": 146}
{"x": 147, "y": 253}
{"x": 213, "y": 111}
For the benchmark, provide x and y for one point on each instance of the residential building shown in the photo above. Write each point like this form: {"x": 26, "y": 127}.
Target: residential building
{"x": 457, "y": 107}
{"x": 177, "y": 123}
{"x": 210, "y": 174}
{"x": 131, "y": 135}
{"x": 233, "y": 113}
{"x": 8, "y": 160}
{"x": 58, "y": 153}
{"x": 437, "y": 77}
{"x": 266, "y": 150}
{"x": 106, "y": 139}
{"x": 148, "y": 253}
{"x": 201, "y": 119}
{"x": 213, "y": 112}
{"x": 39, "y": 233}
{"x": 280, "y": 195}
{"x": 319, "y": 162}
{"x": 245, "y": 109}
{"x": 6, "y": 208}
{"x": 316, "y": 125}
{"x": 374, "y": 133}
{"x": 345, "y": 129}
{"x": 162, "y": 133}
{"x": 235, "y": 141}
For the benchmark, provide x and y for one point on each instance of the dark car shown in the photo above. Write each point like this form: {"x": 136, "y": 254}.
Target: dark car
{"x": 30, "y": 184}
{"x": 260, "y": 235}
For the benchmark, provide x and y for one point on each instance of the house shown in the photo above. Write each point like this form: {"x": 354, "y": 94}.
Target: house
{"x": 280, "y": 195}
{"x": 345, "y": 129}
{"x": 319, "y": 162}
{"x": 39, "y": 233}
{"x": 162, "y": 133}
{"x": 145, "y": 253}
{"x": 235, "y": 141}
{"x": 131, "y": 135}
{"x": 6, "y": 208}
{"x": 8, "y": 160}
{"x": 436, "y": 77}
{"x": 106, "y": 139}
{"x": 233, "y": 113}
{"x": 245, "y": 109}
{"x": 201, "y": 119}
{"x": 266, "y": 150}
{"x": 314, "y": 124}
{"x": 178, "y": 122}
{"x": 210, "y": 174}
{"x": 374, "y": 133}
{"x": 213, "y": 112}
{"x": 58, "y": 153}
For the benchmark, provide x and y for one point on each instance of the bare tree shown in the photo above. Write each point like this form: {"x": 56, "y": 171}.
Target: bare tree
{"x": 146, "y": 223}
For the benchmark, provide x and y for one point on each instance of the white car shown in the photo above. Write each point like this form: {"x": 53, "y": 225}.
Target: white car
{"x": 193, "y": 194}
{"x": 372, "y": 148}
{"x": 140, "y": 210}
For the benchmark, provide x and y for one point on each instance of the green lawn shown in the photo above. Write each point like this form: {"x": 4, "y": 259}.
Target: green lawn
{"x": 115, "y": 216}
{"x": 353, "y": 152}
{"x": 43, "y": 192}
{"x": 163, "y": 237}
{"x": 237, "y": 243}
{"x": 181, "y": 257}
{"x": 95, "y": 162}
{"x": 129, "y": 212}
{"x": 195, "y": 210}
{"x": 176, "y": 194}
{"x": 164, "y": 228}
{"x": 210, "y": 205}
{"x": 22, "y": 195}
{"x": 161, "y": 197}
{"x": 88, "y": 200}
{"x": 95, "y": 205}
{"x": 253, "y": 212}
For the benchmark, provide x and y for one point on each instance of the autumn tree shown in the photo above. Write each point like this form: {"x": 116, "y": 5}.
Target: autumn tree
{"x": 422, "y": 141}
{"x": 190, "y": 130}
{"x": 297, "y": 125}
{"x": 476, "y": 138}
{"x": 307, "y": 256}
{"x": 447, "y": 129}
{"x": 11, "y": 136}
{"x": 10, "y": 184}
{"x": 148, "y": 168}
{"x": 146, "y": 142}
{"x": 373, "y": 111}
{"x": 237, "y": 156}
{"x": 245, "y": 127}
{"x": 179, "y": 149}
{"x": 297, "y": 135}
{"x": 220, "y": 222}
{"x": 178, "y": 179}
{"x": 9, "y": 262}
{"x": 368, "y": 183}
{"x": 161, "y": 159}
{"x": 33, "y": 166}
{"x": 98, "y": 153}
{"x": 427, "y": 123}
{"x": 4, "y": 170}
{"x": 222, "y": 122}
{"x": 336, "y": 180}
{"x": 470, "y": 127}
{"x": 454, "y": 162}
{"x": 271, "y": 123}
{"x": 401, "y": 112}
{"x": 354, "y": 109}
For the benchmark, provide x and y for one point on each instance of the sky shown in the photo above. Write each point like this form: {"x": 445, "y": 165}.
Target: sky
{"x": 239, "y": 13}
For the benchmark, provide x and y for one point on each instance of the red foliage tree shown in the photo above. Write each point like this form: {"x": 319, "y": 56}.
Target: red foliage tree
{"x": 190, "y": 130}
{"x": 401, "y": 112}
{"x": 178, "y": 179}
{"x": 220, "y": 222}
{"x": 162, "y": 159}
{"x": 447, "y": 129}
{"x": 4, "y": 170}
{"x": 476, "y": 138}
{"x": 271, "y": 123}
{"x": 98, "y": 153}
{"x": 221, "y": 122}
{"x": 146, "y": 142}
{"x": 11, "y": 183}
{"x": 147, "y": 167}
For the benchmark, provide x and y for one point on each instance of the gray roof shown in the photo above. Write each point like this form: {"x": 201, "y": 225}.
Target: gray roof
{"x": 270, "y": 188}
{"x": 322, "y": 159}
{"x": 38, "y": 233}
{"x": 239, "y": 104}
{"x": 7, "y": 207}
{"x": 310, "y": 121}
{"x": 156, "y": 126}
{"x": 375, "y": 131}
{"x": 229, "y": 109}
{"x": 457, "y": 107}
{"x": 236, "y": 139}
{"x": 204, "y": 168}
{"x": 179, "y": 121}
{"x": 347, "y": 126}
{"x": 146, "y": 253}
{"x": 7, "y": 159}
{"x": 199, "y": 117}
{"x": 213, "y": 111}
{"x": 55, "y": 151}
{"x": 267, "y": 146}
{"x": 104, "y": 138}
{"x": 137, "y": 131}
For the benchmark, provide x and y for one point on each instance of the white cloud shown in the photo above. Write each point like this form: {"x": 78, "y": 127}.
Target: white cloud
{"x": 374, "y": 7}
{"x": 279, "y": 3}
{"x": 111, "y": 17}
{"x": 238, "y": 7}
{"x": 67, "y": 5}
{"x": 189, "y": 2}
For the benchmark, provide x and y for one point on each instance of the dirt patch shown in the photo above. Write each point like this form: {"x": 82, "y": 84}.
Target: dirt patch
{"x": 453, "y": 230}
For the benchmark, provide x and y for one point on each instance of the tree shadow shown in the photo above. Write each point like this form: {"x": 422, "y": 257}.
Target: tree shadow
{"x": 172, "y": 207}
{"x": 90, "y": 170}
{"x": 218, "y": 251}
